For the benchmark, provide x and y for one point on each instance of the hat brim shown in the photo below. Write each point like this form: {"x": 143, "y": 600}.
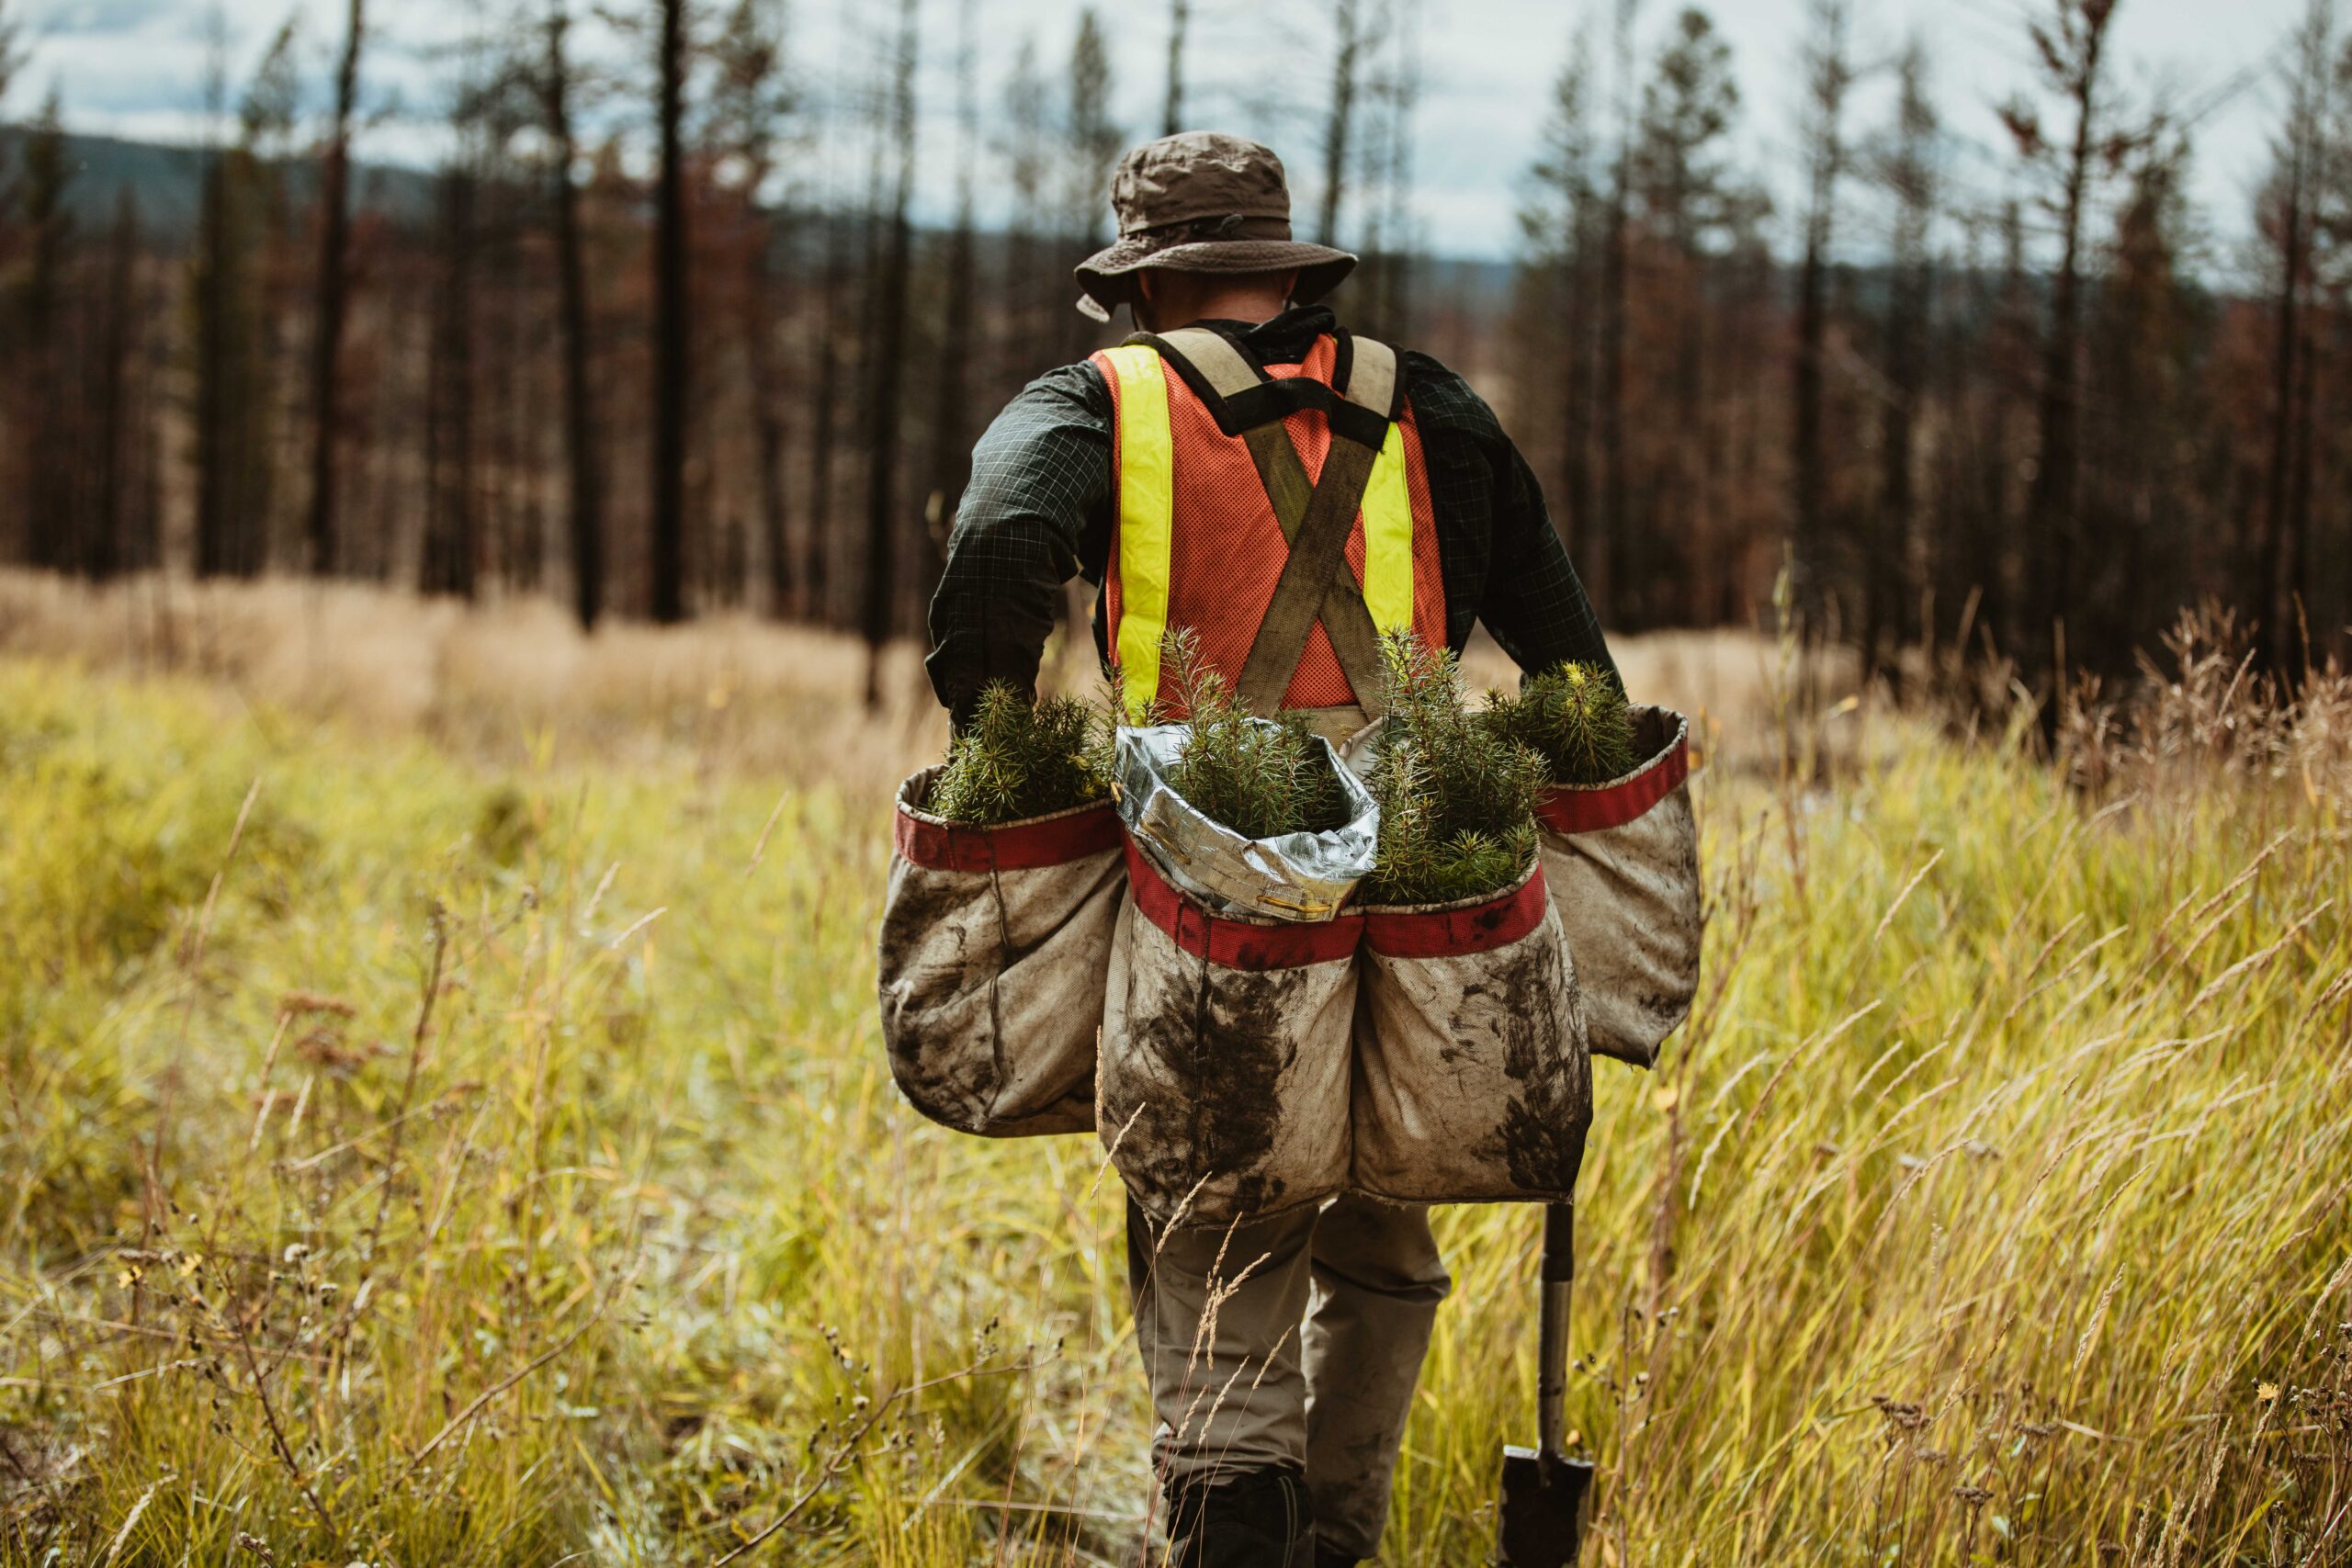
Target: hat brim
{"x": 1108, "y": 277}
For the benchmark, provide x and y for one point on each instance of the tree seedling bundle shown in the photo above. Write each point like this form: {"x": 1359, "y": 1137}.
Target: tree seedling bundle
{"x": 1575, "y": 716}
{"x": 1261, "y": 778}
{"x": 1019, "y": 759}
{"x": 1457, "y": 793}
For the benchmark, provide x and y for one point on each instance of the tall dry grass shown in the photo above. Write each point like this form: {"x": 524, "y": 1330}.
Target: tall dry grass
{"x": 455, "y": 1132}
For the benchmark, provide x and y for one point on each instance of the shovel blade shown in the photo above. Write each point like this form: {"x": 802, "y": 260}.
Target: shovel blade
{"x": 1542, "y": 1518}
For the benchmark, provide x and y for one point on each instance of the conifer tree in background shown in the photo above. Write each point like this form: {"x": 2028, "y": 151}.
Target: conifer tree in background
{"x": 1686, "y": 186}
{"x": 321, "y": 548}
{"x": 1607, "y": 560}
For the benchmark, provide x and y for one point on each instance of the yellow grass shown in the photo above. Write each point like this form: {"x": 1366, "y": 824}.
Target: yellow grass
{"x": 1993, "y": 1208}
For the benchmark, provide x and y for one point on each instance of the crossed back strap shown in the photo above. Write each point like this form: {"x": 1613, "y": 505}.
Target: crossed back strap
{"x": 1316, "y": 516}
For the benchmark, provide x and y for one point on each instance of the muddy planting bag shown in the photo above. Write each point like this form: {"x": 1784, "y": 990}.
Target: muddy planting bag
{"x": 1222, "y": 1089}
{"x": 1473, "y": 1080}
{"x": 994, "y": 943}
{"x": 1621, "y": 859}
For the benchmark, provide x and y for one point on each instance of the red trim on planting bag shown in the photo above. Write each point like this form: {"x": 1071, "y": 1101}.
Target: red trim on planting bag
{"x": 1450, "y": 933}
{"x": 1017, "y": 846}
{"x": 1572, "y": 808}
{"x": 1234, "y": 944}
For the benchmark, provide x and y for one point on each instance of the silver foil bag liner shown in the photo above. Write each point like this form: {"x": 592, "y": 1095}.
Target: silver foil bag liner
{"x": 1295, "y": 877}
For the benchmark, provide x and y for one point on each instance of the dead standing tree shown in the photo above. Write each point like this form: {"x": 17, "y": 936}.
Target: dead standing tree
{"x": 2070, "y": 46}
{"x": 1563, "y": 221}
{"x": 1339, "y": 119}
{"x": 1829, "y": 71}
{"x": 672, "y": 330}
{"x": 2288, "y": 222}
{"x": 951, "y": 458}
{"x": 580, "y": 438}
{"x": 1907, "y": 168}
{"x": 884, "y": 364}
{"x": 1180, "y": 23}
{"x": 753, "y": 97}
{"x": 319, "y": 543}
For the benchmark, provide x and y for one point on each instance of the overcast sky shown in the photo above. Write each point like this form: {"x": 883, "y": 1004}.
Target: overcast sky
{"x": 139, "y": 68}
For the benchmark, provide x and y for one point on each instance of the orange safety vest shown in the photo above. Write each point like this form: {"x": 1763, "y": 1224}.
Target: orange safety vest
{"x": 1281, "y": 513}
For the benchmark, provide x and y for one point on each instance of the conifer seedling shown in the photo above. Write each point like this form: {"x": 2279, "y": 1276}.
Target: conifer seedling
{"x": 1457, "y": 795}
{"x": 1261, "y": 778}
{"x": 1575, "y": 717}
{"x": 1019, "y": 759}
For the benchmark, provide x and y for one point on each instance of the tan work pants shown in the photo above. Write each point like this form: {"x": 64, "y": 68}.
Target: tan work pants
{"x": 1290, "y": 1341}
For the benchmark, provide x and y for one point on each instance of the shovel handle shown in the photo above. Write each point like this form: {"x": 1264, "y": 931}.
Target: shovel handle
{"x": 1552, "y": 1336}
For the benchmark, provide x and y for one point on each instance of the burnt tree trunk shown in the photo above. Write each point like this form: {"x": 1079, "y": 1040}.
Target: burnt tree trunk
{"x": 319, "y": 543}
{"x": 666, "y": 515}
{"x": 587, "y": 525}
{"x": 882, "y": 371}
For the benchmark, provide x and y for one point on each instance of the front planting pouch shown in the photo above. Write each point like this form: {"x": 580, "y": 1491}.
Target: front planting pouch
{"x": 994, "y": 941}
{"x": 1472, "y": 1080}
{"x": 1222, "y": 1091}
{"x": 1623, "y": 862}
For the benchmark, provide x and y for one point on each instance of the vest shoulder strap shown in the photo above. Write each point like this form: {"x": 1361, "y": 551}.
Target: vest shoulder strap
{"x": 1241, "y": 397}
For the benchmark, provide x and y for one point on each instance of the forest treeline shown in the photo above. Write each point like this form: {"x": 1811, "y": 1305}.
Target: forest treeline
{"x": 669, "y": 338}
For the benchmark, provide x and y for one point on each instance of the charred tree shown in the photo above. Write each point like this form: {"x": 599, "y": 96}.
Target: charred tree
{"x": 45, "y": 457}
{"x": 952, "y": 387}
{"x": 319, "y": 543}
{"x": 2287, "y": 224}
{"x": 1828, "y": 73}
{"x": 672, "y": 328}
{"x": 449, "y": 559}
{"x": 752, "y": 99}
{"x": 883, "y": 365}
{"x": 587, "y": 518}
{"x": 1339, "y": 117}
{"x": 1563, "y": 222}
{"x": 2070, "y": 46}
{"x": 1907, "y": 171}
{"x": 1179, "y": 22}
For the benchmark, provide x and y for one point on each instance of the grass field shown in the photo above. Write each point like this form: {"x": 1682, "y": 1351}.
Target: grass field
{"x": 445, "y": 1123}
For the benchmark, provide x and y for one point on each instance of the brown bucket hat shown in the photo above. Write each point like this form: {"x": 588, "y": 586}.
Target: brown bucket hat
{"x": 1203, "y": 202}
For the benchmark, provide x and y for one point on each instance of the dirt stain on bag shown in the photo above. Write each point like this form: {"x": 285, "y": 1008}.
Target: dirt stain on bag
{"x": 1541, "y": 1137}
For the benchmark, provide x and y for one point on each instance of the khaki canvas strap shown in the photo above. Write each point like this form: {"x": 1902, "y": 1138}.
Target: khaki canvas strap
{"x": 1296, "y": 605}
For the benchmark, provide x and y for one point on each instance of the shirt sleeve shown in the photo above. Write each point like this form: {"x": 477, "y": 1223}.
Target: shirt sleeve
{"x": 1036, "y": 513}
{"x": 1513, "y": 572}
{"x": 1535, "y": 606}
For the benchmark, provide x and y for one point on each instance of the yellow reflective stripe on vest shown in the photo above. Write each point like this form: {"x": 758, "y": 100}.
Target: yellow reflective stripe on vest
{"x": 1147, "y": 503}
{"x": 1388, "y": 539}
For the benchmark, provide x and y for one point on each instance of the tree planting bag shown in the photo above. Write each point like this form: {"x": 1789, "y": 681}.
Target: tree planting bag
{"x": 994, "y": 943}
{"x": 1472, "y": 1078}
{"x": 1621, "y": 859}
{"x": 1222, "y": 1090}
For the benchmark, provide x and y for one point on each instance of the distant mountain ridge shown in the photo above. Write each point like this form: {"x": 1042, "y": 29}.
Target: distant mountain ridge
{"x": 167, "y": 181}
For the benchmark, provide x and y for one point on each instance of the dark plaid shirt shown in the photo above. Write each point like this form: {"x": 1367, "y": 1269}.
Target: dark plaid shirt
{"x": 1039, "y": 507}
